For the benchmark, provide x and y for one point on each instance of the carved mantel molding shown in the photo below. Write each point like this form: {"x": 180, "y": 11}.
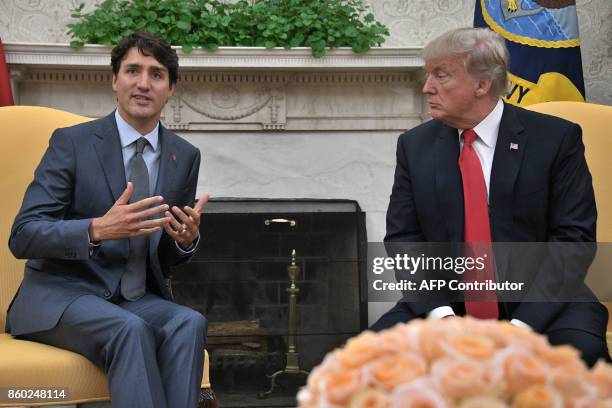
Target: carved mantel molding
{"x": 236, "y": 58}
{"x": 239, "y": 88}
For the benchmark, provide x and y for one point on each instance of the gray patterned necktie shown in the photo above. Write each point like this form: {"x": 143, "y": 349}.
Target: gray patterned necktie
{"x": 133, "y": 281}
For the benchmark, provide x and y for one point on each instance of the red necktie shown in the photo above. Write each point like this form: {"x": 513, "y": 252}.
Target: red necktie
{"x": 482, "y": 303}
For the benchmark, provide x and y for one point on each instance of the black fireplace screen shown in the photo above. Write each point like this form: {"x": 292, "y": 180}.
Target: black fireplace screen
{"x": 238, "y": 280}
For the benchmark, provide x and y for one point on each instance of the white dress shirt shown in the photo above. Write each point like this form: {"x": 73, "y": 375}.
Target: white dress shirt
{"x": 151, "y": 153}
{"x": 484, "y": 145}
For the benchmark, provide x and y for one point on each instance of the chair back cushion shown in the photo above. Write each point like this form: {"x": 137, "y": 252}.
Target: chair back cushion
{"x": 26, "y": 131}
{"x": 596, "y": 123}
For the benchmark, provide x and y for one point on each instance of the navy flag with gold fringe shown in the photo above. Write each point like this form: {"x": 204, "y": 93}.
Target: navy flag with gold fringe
{"x": 543, "y": 39}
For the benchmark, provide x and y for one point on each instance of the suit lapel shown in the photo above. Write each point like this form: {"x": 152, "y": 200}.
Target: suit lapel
{"x": 167, "y": 162}
{"x": 509, "y": 151}
{"x": 108, "y": 149}
{"x": 504, "y": 171}
{"x": 448, "y": 182}
{"x": 166, "y": 177}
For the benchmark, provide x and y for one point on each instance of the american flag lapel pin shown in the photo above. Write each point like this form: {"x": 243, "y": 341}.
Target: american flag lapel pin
{"x": 513, "y": 146}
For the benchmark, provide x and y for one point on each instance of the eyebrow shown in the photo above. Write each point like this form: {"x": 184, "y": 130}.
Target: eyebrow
{"x": 154, "y": 68}
{"x": 437, "y": 69}
{"x": 442, "y": 67}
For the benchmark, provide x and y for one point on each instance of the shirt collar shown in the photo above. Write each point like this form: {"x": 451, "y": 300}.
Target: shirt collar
{"x": 488, "y": 128}
{"x": 128, "y": 135}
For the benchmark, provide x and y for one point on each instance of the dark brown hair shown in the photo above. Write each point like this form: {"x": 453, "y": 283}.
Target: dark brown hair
{"x": 148, "y": 44}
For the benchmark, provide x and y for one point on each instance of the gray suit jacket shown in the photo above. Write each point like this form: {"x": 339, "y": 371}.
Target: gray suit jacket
{"x": 80, "y": 177}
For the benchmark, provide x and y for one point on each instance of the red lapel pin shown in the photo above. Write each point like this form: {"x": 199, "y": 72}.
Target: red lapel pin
{"x": 173, "y": 157}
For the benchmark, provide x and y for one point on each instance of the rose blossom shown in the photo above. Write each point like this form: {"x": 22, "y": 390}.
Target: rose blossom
{"x": 338, "y": 388}
{"x": 405, "y": 338}
{"x": 418, "y": 394}
{"x": 394, "y": 369}
{"x": 482, "y": 402}
{"x": 571, "y": 381}
{"x": 561, "y": 355}
{"x": 469, "y": 346}
{"x": 434, "y": 333}
{"x": 359, "y": 350}
{"x": 463, "y": 378}
{"x": 370, "y": 398}
{"x": 522, "y": 369}
{"x": 601, "y": 377}
{"x": 538, "y": 396}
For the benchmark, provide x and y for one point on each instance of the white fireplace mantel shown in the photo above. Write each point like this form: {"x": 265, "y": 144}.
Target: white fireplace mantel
{"x": 238, "y": 88}
{"x": 235, "y": 58}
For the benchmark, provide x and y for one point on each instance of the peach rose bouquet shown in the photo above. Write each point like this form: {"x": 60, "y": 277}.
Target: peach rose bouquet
{"x": 456, "y": 363}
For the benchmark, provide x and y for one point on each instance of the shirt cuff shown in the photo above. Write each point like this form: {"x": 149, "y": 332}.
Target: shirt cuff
{"x": 440, "y": 312}
{"x": 191, "y": 248}
{"x": 521, "y": 324}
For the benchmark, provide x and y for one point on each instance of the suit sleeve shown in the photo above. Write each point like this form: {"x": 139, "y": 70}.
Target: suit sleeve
{"x": 40, "y": 229}
{"x": 169, "y": 253}
{"x": 572, "y": 219}
{"x": 402, "y": 221}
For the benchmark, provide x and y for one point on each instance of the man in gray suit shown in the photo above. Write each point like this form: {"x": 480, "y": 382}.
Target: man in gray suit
{"x": 109, "y": 212}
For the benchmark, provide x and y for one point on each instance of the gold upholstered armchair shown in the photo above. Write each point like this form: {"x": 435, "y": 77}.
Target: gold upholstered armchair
{"x": 24, "y": 136}
{"x": 596, "y": 123}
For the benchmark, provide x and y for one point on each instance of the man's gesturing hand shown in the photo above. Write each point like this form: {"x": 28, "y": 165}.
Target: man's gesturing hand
{"x": 186, "y": 232}
{"x": 125, "y": 220}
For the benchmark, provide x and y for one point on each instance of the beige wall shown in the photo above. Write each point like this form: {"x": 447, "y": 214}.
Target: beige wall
{"x": 412, "y": 22}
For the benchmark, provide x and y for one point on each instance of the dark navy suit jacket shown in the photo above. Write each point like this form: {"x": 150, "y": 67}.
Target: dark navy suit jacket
{"x": 539, "y": 192}
{"x": 80, "y": 177}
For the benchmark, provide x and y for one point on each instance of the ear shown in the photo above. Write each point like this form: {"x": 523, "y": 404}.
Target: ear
{"x": 172, "y": 89}
{"x": 483, "y": 86}
{"x": 114, "y": 82}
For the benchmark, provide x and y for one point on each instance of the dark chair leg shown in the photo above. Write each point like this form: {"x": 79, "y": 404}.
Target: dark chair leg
{"x": 207, "y": 399}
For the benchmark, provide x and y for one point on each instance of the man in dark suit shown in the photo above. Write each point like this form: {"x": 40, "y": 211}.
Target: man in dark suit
{"x": 109, "y": 212}
{"x": 485, "y": 171}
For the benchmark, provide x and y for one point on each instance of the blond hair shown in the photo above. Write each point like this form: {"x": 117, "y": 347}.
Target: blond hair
{"x": 484, "y": 52}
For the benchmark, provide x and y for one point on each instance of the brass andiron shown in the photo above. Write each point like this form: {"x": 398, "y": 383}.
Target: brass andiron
{"x": 293, "y": 364}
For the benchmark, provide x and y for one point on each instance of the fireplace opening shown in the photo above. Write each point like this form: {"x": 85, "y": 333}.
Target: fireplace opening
{"x": 239, "y": 280}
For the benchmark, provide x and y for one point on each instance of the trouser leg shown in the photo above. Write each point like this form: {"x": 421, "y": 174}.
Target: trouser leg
{"x": 117, "y": 341}
{"x": 181, "y": 334}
